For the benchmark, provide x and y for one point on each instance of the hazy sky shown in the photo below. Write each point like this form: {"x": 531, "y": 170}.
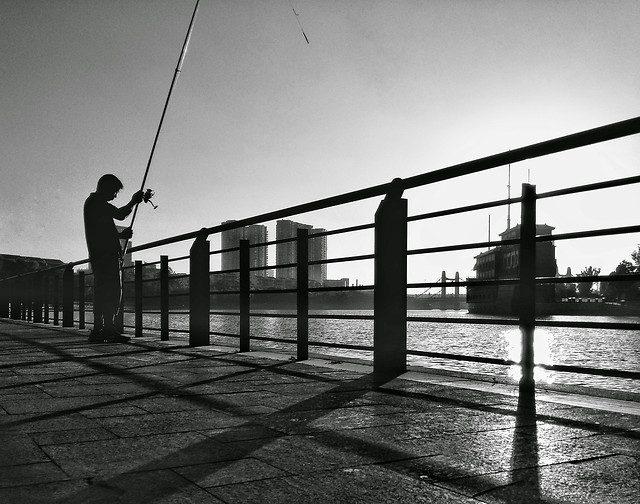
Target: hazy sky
{"x": 261, "y": 120}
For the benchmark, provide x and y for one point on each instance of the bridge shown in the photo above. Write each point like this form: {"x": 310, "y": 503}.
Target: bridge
{"x": 179, "y": 417}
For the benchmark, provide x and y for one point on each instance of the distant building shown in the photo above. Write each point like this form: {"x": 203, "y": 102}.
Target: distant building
{"x": 286, "y": 253}
{"x": 258, "y": 256}
{"x": 343, "y": 282}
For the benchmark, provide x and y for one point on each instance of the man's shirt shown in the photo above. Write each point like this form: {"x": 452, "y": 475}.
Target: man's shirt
{"x": 100, "y": 231}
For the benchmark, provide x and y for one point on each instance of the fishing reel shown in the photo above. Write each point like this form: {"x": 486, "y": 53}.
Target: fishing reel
{"x": 146, "y": 197}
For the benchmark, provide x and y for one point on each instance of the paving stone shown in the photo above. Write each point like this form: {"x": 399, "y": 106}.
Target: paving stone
{"x": 57, "y": 421}
{"x": 157, "y": 487}
{"x": 230, "y": 472}
{"x": 348, "y": 485}
{"x": 106, "y": 458}
{"x": 182, "y": 421}
{"x": 50, "y": 493}
{"x": 30, "y": 474}
{"x": 614, "y": 480}
{"x": 71, "y": 436}
{"x": 18, "y": 448}
{"x": 50, "y": 404}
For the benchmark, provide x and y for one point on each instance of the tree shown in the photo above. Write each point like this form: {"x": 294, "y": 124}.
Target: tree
{"x": 635, "y": 255}
{"x": 615, "y": 291}
{"x": 584, "y": 288}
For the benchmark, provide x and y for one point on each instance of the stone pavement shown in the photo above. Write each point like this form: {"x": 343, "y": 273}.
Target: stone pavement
{"x": 156, "y": 422}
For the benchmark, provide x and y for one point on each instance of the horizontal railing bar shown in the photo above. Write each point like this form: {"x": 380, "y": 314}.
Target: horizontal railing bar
{"x": 590, "y": 234}
{"x": 226, "y": 335}
{"x": 226, "y": 313}
{"x": 591, "y": 371}
{"x": 276, "y": 340}
{"x": 628, "y": 277}
{"x": 341, "y": 289}
{"x": 363, "y": 257}
{"x": 590, "y": 187}
{"x": 340, "y": 317}
{"x": 466, "y": 358}
{"x": 349, "y": 229}
{"x": 346, "y": 346}
{"x": 274, "y": 291}
{"x": 464, "y": 209}
{"x": 588, "y": 325}
{"x": 463, "y": 246}
{"x": 588, "y": 137}
{"x": 479, "y": 321}
{"x": 596, "y": 135}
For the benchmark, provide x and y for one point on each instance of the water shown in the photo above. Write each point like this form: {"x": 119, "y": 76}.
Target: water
{"x": 592, "y": 348}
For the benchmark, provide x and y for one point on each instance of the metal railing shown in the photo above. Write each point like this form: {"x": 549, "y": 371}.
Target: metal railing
{"x": 41, "y": 296}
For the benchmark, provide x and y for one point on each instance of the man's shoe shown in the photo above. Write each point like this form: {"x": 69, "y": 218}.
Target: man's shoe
{"x": 97, "y": 336}
{"x": 113, "y": 336}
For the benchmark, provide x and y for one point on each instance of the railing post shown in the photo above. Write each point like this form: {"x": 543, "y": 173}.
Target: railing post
{"x": 4, "y": 300}
{"x": 24, "y": 299}
{"x": 30, "y": 289}
{"x": 81, "y": 301}
{"x": 37, "y": 298}
{"x": 67, "y": 297}
{"x": 390, "y": 289}
{"x": 16, "y": 304}
{"x": 245, "y": 296}
{"x": 46, "y": 290}
{"x": 199, "y": 291}
{"x": 56, "y": 299}
{"x": 164, "y": 298}
{"x": 302, "y": 296}
{"x": 527, "y": 300}
{"x": 138, "y": 298}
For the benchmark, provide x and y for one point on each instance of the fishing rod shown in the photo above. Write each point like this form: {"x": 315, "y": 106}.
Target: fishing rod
{"x": 148, "y": 194}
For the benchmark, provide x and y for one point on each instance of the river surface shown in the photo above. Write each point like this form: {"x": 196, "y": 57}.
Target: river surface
{"x": 593, "y": 348}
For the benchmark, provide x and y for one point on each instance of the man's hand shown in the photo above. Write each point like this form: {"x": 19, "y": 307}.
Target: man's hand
{"x": 126, "y": 234}
{"x": 137, "y": 197}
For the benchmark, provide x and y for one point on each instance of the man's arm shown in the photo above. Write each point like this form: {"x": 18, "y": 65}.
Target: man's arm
{"x": 122, "y": 212}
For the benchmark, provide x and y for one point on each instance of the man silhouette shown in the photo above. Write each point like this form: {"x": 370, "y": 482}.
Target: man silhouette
{"x": 105, "y": 254}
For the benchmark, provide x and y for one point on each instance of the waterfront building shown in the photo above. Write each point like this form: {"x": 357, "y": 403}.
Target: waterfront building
{"x": 286, "y": 253}
{"x": 258, "y": 256}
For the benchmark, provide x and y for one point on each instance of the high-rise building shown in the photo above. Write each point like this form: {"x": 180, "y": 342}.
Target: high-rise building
{"x": 258, "y": 256}
{"x": 286, "y": 253}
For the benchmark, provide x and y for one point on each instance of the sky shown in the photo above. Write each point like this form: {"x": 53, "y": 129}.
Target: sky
{"x": 260, "y": 120}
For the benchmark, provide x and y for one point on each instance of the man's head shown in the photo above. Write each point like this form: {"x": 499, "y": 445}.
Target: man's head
{"x": 108, "y": 186}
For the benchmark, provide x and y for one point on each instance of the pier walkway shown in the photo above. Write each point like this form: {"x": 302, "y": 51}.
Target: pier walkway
{"x": 160, "y": 422}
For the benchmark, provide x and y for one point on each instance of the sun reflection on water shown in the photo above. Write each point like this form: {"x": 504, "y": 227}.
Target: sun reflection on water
{"x": 542, "y": 351}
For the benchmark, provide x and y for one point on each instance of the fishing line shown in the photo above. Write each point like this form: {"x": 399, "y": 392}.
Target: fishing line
{"x": 148, "y": 194}
{"x": 298, "y": 20}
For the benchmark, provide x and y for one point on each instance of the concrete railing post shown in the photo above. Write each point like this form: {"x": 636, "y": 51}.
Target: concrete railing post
{"x": 390, "y": 290}
{"x": 46, "y": 289}
{"x": 527, "y": 288}
{"x": 199, "y": 291}
{"x": 56, "y": 299}
{"x": 37, "y": 298}
{"x": 81, "y": 300}
{"x": 14, "y": 299}
{"x": 67, "y": 297}
{"x": 302, "y": 296}
{"x": 4, "y": 299}
{"x": 137, "y": 295}
{"x": 245, "y": 297}
{"x": 164, "y": 298}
